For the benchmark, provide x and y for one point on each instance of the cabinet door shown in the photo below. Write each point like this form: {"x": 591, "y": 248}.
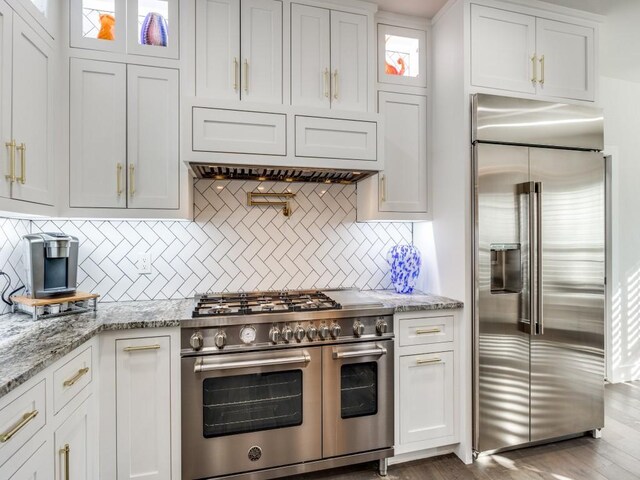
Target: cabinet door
{"x": 38, "y": 466}
{"x": 310, "y": 62}
{"x": 565, "y": 55}
{"x": 153, "y": 28}
{"x": 503, "y": 49}
{"x": 261, "y": 44}
{"x": 143, "y": 405}
{"x": 218, "y": 49}
{"x": 152, "y": 125}
{"x": 5, "y": 99}
{"x": 32, "y": 115}
{"x": 98, "y": 134}
{"x": 75, "y": 443}
{"x": 403, "y": 184}
{"x": 349, "y": 55}
{"x": 426, "y": 397}
{"x": 98, "y": 24}
{"x": 43, "y": 12}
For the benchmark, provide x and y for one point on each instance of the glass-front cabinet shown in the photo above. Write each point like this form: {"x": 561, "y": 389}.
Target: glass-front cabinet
{"x": 42, "y": 11}
{"x": 402, "y": 56}
{"x": 140, "y": 27}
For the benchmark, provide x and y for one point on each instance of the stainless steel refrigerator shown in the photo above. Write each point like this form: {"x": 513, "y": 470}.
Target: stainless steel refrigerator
{"x": 539, "y": 258}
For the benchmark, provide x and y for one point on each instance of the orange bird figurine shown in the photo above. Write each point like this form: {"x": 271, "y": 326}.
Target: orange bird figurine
{"x": 107, "y": 22}
{"x": 391, "y": 70}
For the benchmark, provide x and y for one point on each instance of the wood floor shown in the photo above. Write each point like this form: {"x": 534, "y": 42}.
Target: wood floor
{"x": 615, "y": 456}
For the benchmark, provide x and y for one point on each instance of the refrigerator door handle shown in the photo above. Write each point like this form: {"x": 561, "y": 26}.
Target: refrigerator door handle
{"x": 539, "y": 285}
{"x": 528, "y": 188}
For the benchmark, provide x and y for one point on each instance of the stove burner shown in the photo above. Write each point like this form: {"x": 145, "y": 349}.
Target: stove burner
{"x": 213, "y": 304}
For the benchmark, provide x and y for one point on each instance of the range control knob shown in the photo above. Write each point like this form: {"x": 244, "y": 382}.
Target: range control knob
{"x": 299, "y": 333}
{"x": 335, "y": 330}
{"x": 358, "y": 329}
{"x": 274, "y": 334}
{"x": 196, "y": 341}
{"x": 287, "y": 334}
{"x": 220, "y": 339}
{"x": 312, "y": 332}
{"x": 381, "y": 327}
{"x": 323, "y": 331}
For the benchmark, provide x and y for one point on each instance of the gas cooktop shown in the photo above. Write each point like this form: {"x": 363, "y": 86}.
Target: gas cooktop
{"x": 224, "y": 304}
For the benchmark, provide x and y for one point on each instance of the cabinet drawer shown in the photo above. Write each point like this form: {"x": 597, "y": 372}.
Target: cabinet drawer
{"x": 21, "y": 419}
{"x": 333, "y": 138}
{"x": 235, "y": 131}
{"x": 422, "y": 331}
{"x": 71, "y": 378}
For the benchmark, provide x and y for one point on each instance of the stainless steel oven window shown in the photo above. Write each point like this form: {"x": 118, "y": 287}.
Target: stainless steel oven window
{"x": 251, "y": 403}
{"x": 358, "y": 389}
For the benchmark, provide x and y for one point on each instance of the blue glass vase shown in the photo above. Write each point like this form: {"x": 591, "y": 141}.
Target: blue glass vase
{"x": 405, "y": 262}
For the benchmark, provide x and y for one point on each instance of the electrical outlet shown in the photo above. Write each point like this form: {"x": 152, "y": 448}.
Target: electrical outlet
{"x": 144, "y": 263}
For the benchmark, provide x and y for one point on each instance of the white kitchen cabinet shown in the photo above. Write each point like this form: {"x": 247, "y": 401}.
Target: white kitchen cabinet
{"x": 75, "y": 444}
{"x": 6, "y": 15}
{"x": 152, "y": 137}
{"x": 310, "y": 56}
{"x": 123, "y": 131}
{"x": 426, "y": 397}
{"x": 218, "y": 49}
{"x": 116, "y": 26}
{"x": 239, "y": 50}
{"x": 43, "y": 13}
{"x": 402, "y": 56}
{"x": 38, "y": 466}
{"x": 261, "y": 48}
{"x": 143, "y": 405}
{"x": 349, "y": 54}
{"x": 98, "y": 134}
{"x": 527, "y": 54}
{"x": 329, "y": 67}
{"x": 565, "y": 59}
{"x": 403, "y": 184}
{"x": 33, "y": 115}
{"x": 332, "y": 138}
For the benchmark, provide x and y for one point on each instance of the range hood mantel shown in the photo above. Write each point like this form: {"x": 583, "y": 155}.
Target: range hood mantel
{"x": 278, "y": 174}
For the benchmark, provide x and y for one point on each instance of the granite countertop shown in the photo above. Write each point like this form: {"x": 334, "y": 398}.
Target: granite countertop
{"x": 29, "y": 346}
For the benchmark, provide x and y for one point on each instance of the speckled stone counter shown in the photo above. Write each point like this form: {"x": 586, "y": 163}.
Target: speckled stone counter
{"x": 29, "y": 346}
{"x": 412, "y": 302}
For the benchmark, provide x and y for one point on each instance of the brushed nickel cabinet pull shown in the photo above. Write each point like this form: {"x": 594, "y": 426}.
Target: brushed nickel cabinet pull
{"x": 65, "y": 452}
{"x": 325, "y": 82}
{"x": 141, "y": 347}
{"x": 534, "y": 69}
{"x": 426, "y": 361}
{"x": 246, "y": 75}
{"x": 132, "y": 182}
{"x": 235, "y": 74}
{"x": 542, "y": 70}
{"x": 425, "y": 331}
{"x": 22, "y": 148}
{"x": 12, "y": 161}
{"x": 119, "y": 178}
{"x": 26, "y": 418}
{"x": 76, "y": 377}
{"x": 335, "y": 84}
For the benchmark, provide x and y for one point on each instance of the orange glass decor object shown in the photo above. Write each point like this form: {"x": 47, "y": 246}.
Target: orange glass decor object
{"x": 107, "y": 26}
{"x": 391, "y": 70}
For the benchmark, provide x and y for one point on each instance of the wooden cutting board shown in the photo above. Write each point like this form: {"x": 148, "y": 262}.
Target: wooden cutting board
{"x": 40, "y": 302}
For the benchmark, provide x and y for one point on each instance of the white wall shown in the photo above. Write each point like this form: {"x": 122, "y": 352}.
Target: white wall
{"x": 620, "y": 98}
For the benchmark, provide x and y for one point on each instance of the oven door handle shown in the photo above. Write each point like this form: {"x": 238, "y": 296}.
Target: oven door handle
{"x": 377, "y": 351}
{"x": 202, "y": 365}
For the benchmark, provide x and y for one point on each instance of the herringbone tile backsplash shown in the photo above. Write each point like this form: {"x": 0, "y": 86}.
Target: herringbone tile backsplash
{"x": 229, "y": 246}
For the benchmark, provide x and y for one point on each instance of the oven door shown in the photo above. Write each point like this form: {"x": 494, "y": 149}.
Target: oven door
{"x": 249, "y": 411}
{"x": 357, "y": 397}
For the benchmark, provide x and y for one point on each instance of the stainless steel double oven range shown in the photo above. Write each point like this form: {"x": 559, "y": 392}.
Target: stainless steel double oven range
{"x": 277, "y": 384}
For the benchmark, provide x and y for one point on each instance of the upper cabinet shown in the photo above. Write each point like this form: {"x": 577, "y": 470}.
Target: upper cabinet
{"x": 402, "y": 56}
{"x": 239, "y": 50}
{"x": 27, "y": 85}
{"x": 329, "y": 51}
{"x": 43, "y": 11}
{"x": 522, "y": 53}
{"x": 139, "y": 27}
